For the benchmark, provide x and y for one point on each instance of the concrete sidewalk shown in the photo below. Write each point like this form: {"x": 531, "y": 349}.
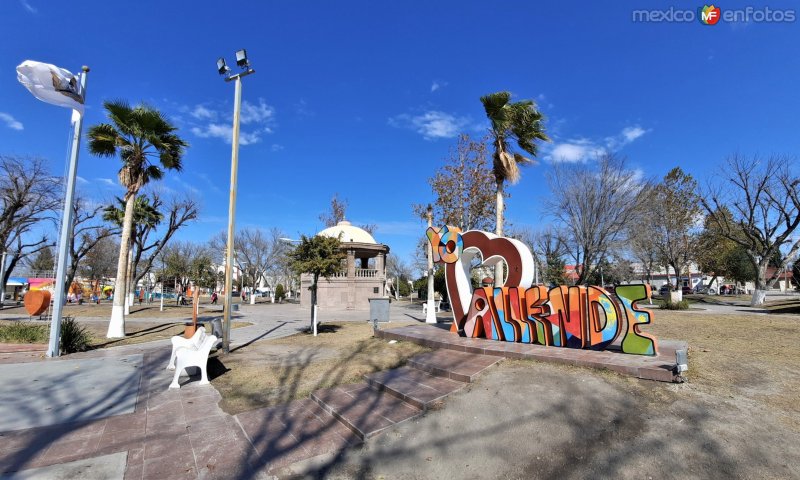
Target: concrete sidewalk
{"x": 108, "y": 406}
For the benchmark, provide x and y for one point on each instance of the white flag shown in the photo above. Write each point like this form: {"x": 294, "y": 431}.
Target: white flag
{"x": 51, "y": 84}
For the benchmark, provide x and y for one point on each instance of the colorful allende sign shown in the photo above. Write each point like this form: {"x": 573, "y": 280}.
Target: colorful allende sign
{"x": 563, "y": 316}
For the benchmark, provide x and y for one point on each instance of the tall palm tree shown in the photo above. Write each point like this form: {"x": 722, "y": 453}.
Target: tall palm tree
{"x": 145, "y": 142}
{"x": 144, "y": 216}
{"x": 520, "y": 122}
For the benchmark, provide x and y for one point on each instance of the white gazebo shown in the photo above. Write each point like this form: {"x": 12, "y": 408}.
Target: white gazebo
{"x": 364, "y": 276}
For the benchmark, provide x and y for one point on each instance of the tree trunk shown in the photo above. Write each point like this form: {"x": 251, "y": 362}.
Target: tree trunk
{"x": 116, "y": 325}
{"x": 498, "y": 268}
{"x": 313, "y": 300}
{"x": 760, "y": 293}
{"x": 128, "y": 287}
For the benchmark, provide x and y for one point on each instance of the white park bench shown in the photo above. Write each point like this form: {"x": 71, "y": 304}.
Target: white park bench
{"x": 192, "y": 356}
{"x": 178, "y": 341}
{"x": 436, "y": 309}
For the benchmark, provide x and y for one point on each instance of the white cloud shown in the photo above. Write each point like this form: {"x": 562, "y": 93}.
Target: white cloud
{"x": 432, "y": 124}
{"x": 437, "y": 85}
{"x": 276, "y": 148}
{"x": 583, "y": 149}
{"x": 28, "y": 6}
{"x": 574, "y": 151}
{"x": 11, "y": 122}
{"x": 107, "y": 182}
{"x": 81, "y": 180}
{"x": 257, "y": 113}
{"x": 225, "y": 132}
{"x": 202, "y": 113}
{"x": 258, "y": 117}
{"x": 632, "y": 133}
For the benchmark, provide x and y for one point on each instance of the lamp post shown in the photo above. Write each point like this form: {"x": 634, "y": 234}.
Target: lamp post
{"x": 223, "y": 69}
{"x": 430, "y": 316}
{"x": 2, "y": 276}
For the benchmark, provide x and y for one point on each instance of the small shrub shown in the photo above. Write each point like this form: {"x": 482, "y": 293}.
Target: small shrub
{"x": 74, "y": 337}
{"x": 23, "y": 332}
{"x": 670, "y": 305}
{"x": 280, "y": 292}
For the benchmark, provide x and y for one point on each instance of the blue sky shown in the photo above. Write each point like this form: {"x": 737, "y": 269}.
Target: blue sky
{"x": 365, "y": 98}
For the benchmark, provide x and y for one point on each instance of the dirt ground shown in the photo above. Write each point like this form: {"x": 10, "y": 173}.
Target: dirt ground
{"x": 139, "y": 332}
{"x": 738, "y": 416}
{"x": 278, "y": 371}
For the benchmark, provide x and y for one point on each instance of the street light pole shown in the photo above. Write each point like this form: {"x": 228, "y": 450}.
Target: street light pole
{"x": 430, "y": 316}
{"x": 241, "y": 60}
{"x": 54, "y": 346}
{"x": 2, "y": 277}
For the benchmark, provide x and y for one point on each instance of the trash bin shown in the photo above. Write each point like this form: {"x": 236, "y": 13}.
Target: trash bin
{"x": 234, "y": 307}
{"x": 379, "y": 309}
{"x": 216, "y": 327}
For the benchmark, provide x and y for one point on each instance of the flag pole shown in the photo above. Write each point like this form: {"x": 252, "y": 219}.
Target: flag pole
{"x": 53, "y": 349}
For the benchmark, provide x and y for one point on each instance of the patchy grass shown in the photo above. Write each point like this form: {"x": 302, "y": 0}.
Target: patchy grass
{"x": 153, "y": 310}
{"x": 783, "y": 306}
{"x": 141, "y": 332}
{"x": 748, "y": 356}
{"x": 138, "y": 332}
{"x": 278, "y": 371}
{"x": 23, "y": 332}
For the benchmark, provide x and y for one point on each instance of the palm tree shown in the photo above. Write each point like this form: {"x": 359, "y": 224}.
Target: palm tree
{"x": 144, "y": 216}
{"x": 145, "y": 142}
{"x": 520, "y": 122}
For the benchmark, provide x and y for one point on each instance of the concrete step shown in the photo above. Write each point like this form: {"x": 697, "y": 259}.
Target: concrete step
{"x": 459, "y": 366}
{"x": 364, "y": 410}
{"x": 413, "y": 386}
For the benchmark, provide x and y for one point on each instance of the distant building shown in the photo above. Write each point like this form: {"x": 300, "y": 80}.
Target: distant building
{"x": 364, "y": 275}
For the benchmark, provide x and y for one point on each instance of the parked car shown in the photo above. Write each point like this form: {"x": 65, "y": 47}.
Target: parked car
{"x": 686, "y": 290}
{"x": 663, "y": 290}
{"x": 705, "y": 290}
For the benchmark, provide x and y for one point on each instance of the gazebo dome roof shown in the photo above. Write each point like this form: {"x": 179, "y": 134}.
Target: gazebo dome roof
{"x": 348, "y": 233}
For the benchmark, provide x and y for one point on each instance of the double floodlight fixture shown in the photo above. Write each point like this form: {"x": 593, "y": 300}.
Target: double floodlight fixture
{"x": 241, "y": 62}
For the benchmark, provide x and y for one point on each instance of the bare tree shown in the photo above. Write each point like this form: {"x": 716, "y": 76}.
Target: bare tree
{"x": 100, "y": 262}
{"x": 150, "y": 234}
{"x": 88, "y": 230}
{"x": 399, "y": 271}
{"x": 464, "y": 188}
{"x": 29, "y": 196}
{"x": 548, "y": 247}
{"x": 764, "y": 204}
{"x": 642, "y": 245}
{"x": 675, "y": 208}
{"x": 595, "y": 206}
{"x": 260, "y": 254}
{"x": 336, "y": 213}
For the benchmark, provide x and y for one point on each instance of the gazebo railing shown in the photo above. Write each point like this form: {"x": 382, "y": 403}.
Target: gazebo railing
{"x": 366, "y": 272}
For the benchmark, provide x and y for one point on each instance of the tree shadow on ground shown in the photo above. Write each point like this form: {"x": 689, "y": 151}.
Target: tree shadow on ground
{"x": 602, "y": 434}
{"x": 21, "y": 447}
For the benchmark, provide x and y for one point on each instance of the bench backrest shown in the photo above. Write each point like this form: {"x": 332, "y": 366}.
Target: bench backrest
{"x": 208, "y": 344}
{"x": 199, "y": 337}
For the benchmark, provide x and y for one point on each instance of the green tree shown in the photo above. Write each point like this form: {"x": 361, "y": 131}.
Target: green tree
{"x": 518, "y": 122}
{"x": 44, "y": 262}
{"x": 280, "y": 292}
{"x": 319, "y": 256}
{"x": 146, "y": 143}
